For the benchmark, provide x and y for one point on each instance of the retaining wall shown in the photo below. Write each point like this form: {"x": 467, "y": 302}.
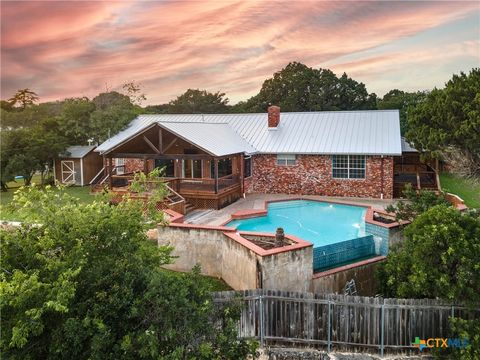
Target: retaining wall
{"x": 222, "y": 252}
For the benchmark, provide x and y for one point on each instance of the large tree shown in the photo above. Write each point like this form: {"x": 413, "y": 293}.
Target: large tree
{"x": 113, "y": 112}
{"x": 298, "y": 87}
{"x": 26, "y": 151}
{"x": 439, "y": 258}
{"x": 195, "y": 101}
{"x": 84, "y": 282}
{"x": 75, "y": 120}
{"x": 449, "y": 118}
{"x": 403, "y": 101}
{"x": 23, "y": 98}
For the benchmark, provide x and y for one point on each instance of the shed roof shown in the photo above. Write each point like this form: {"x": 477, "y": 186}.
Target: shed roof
{"x": 76, "y": 151}
{"x": 369, "y": 132}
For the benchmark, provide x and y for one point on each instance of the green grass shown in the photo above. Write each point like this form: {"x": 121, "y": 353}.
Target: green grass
{"x": 82, "y": 193}
{"x": 468, "y": 190}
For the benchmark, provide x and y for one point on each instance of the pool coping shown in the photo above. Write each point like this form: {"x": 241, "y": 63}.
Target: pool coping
{"x": 251, "y": 213}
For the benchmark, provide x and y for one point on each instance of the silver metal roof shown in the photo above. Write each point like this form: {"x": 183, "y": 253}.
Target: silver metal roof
{"x": 406, "y": 147}
{"x": 217, "y": 139}
{"x": 369, "y": 132}
{"x": 76, "y": 152}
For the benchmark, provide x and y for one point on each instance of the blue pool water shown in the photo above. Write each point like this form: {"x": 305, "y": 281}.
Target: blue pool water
{"x": 320, "y": 223}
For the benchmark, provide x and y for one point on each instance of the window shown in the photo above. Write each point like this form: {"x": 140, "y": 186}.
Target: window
{"x": 120, "y": 164}
{"x": 167, "y": 165}
{"x": 192, "y": 169}
{"x": 247, "y": 167}
{"x": 286, "y": 159}
{"x": 224, "y": 167}
{"x": 348, "y": 166}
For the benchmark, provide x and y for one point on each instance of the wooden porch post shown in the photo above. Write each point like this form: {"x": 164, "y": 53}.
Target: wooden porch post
{"x": 242, "y": 170}
{"x": 215, "y": 170}
{"x": 110, "y": 168}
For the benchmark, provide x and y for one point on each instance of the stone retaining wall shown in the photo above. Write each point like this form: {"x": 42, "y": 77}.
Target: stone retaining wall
{"x": 221, "y": 252}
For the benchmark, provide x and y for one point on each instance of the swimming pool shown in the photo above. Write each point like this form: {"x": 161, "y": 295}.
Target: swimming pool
{"x": 321, "y": 223}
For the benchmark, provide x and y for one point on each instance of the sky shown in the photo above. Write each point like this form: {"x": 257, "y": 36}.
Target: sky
{"x": 65, "y": 49}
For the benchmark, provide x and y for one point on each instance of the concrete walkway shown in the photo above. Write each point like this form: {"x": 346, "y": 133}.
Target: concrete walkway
{"x": 257, "y": 201}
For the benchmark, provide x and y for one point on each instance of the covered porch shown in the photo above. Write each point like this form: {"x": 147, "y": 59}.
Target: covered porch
{"x": 196, "y": 176}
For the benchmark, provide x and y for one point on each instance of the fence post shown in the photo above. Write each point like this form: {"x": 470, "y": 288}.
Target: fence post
{"x": 329, "y": 327}
{"x": 262, "y": 315}
{"x": 382, "y": 329}
{"x": 453, "y": 311}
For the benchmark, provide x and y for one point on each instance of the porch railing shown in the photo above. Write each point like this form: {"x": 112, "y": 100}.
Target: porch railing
{"x": 186, "y": 185}
{"x": 419, "y": 175}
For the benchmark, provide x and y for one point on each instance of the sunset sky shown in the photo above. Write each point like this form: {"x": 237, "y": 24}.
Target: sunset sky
{"x": 67, "y": 49}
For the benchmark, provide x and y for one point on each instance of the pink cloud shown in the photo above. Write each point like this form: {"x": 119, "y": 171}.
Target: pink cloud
{"x": 74, "y": 48}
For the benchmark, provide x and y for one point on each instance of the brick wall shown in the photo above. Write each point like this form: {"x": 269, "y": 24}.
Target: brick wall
{"x": 132, "y": 165}
{"x": 312, "y": 175}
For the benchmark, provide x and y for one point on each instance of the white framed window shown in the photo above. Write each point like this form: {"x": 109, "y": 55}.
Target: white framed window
{"x": 348, "y": 166}
{"x": 120, "y": 164}
{"x": 286, "y": 159}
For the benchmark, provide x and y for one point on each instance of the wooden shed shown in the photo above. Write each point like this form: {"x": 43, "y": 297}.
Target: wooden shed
{"x": 78, "y": 165}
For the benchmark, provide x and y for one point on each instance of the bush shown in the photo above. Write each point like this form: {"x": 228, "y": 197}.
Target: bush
{"x": 82, "y": 281}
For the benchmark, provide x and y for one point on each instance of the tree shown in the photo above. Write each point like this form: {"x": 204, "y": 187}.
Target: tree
{"x": 449, "y": 117}
{"x": 82, "y": 281}
{"x": 28, "y": 150}
{"x": 134, "y": 91}
{"x": 195, "y": 101}
{"x": 403, "y": 101}
{"x": 24, "y": 97}
{"x": 298, "y": 87}
{"x": 113, "y": 112}
{"x": 31, "y": 115}
{"x": 438, "y": 258}
{"x": 75, "y": 120}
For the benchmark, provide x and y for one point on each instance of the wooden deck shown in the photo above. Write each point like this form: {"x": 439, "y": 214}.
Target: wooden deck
{"x": 187, "y": 194}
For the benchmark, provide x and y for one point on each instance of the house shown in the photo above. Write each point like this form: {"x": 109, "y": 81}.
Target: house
{"x": 77, "y": 165}
{"x": 212, "y": 160}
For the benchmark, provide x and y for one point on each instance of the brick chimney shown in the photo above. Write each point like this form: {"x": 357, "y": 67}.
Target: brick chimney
{"x": 273, "y": 116}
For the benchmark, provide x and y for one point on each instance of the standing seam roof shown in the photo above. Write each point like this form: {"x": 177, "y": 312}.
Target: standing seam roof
{"x": 369, "y": 132}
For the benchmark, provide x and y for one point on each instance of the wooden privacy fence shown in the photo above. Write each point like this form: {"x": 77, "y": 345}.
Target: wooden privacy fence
{"x": 342, "y": 322}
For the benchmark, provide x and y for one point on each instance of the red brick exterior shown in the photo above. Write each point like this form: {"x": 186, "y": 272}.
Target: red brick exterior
{"x": 312, "y": 175}
{"x": 132, "y": 165}
{"x": 273, "y": 116}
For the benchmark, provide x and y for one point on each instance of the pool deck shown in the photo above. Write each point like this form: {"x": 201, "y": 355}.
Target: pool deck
{"x": 257, "y": 202}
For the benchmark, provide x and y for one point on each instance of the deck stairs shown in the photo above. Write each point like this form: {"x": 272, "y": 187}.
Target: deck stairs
{"x": 189, "y": 207}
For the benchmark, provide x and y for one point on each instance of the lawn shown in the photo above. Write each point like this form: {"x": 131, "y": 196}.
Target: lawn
{"x": 82, "y": 193}
{"x": 468, "y": 190}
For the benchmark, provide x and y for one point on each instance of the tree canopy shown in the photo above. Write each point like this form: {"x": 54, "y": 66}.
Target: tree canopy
{"x": 23, "y": 98}
{"x": 438, "y": 258}
{"x": 403, "y": 101}
{"x": 298, "y": 87}
{"x": 195, "y": 101}
{"x": 449, "y": 117}
{"x": 84, "y": 282}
